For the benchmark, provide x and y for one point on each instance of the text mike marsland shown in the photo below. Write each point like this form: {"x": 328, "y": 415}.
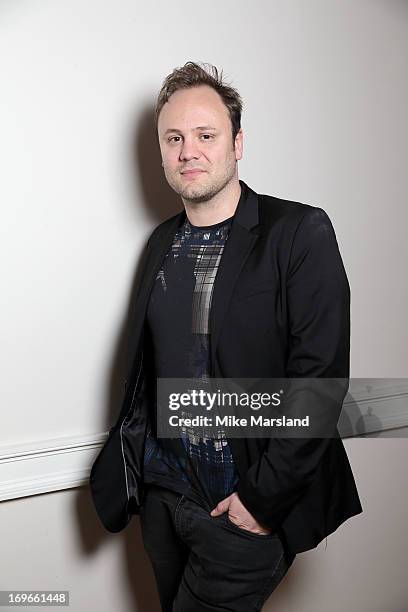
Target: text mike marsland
{"x": 233, "y": 421}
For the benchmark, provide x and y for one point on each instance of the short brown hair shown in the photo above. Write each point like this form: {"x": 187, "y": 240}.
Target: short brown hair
{"x": 193, "y": 74}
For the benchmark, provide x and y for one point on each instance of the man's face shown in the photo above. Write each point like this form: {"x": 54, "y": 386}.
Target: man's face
{"x": 194, "y": 130}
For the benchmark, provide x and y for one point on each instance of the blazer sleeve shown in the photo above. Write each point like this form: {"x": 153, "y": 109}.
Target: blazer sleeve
{"x": 318, "y": 299}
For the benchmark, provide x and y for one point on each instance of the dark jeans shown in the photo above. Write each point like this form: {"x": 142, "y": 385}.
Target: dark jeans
{"x": 207, "y": 564}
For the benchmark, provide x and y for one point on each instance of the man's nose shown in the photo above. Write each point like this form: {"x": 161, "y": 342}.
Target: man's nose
{"x": 189, "y": 149}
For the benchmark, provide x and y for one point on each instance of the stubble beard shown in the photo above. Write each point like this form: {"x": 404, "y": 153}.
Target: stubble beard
{"x": 196, "y": 194}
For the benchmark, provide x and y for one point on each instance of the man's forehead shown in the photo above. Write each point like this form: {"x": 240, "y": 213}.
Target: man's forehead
{"x": 201, "y": 109}
{"x": 196, "y": 91}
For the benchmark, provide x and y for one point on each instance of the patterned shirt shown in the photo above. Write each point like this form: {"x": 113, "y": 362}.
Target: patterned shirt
{"x": 201, "y": 466}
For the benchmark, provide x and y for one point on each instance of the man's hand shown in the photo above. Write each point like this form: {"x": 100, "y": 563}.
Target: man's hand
{"x": 238, "y": 514}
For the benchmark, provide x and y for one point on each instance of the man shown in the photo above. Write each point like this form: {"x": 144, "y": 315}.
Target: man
{"x": 237, "y": 285}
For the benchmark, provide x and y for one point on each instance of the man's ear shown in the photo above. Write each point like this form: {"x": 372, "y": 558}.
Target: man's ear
{"x": 239, "y": 144}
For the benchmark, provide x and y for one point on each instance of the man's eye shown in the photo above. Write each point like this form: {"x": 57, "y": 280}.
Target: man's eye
{"x": 204, "y": 136}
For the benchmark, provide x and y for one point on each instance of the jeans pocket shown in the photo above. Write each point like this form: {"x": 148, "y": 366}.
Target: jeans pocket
{"x": 246, "y": 532}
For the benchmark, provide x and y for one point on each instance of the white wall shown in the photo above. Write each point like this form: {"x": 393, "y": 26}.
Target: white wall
{"x": 325, "y": 97}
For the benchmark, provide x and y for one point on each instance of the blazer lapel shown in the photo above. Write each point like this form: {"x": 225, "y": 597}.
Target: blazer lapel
{"x": 239, "y": 244}
{"x": 157, "y": 249}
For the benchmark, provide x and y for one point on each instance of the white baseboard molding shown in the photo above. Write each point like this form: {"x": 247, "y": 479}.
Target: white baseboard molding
{"x": 373, "y": 405}
{"x": 47, "y": 465}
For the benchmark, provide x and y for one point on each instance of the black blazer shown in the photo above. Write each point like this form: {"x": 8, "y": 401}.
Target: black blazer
{"x": 280, "y": 308}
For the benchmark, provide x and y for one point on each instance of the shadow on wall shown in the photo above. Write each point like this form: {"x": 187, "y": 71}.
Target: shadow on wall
{"x": 134, "y": 564}
{"x": 160, "y": 203}
{"x": 158, "y": 198}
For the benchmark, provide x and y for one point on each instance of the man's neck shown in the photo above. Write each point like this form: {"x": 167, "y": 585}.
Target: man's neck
{"x": 221, "y": 206}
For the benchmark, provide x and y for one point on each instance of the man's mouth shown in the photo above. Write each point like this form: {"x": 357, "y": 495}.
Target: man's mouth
{"x": 192, "y": 172}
